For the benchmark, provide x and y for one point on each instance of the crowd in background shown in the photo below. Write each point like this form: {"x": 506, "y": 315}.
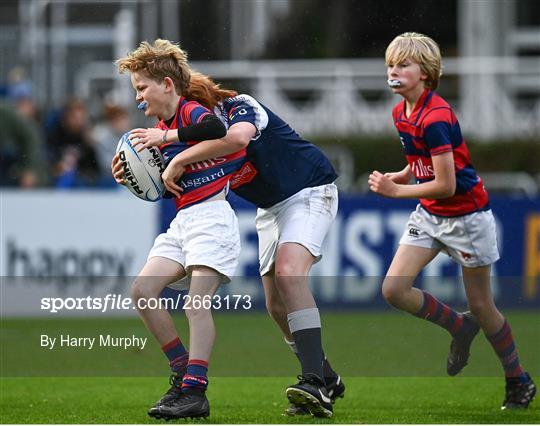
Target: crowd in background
{"x": 62, "y": 148}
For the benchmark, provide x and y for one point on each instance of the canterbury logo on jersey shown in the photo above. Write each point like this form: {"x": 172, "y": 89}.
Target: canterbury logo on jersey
{"x": 245, "y": 175}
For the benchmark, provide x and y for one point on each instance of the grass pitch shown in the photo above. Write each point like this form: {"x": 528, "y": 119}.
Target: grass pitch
{"x": 393, "y": 365}
{"x": 260, "y": 400}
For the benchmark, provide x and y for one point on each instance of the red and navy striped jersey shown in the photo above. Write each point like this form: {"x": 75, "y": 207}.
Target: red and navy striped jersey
{"x": 203, "y": 179}
{"x": 432, "y": 129}
{"x": 279, "y": 163}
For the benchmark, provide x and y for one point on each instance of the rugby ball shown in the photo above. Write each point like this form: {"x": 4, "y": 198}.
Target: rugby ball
{"x": 142, "y": 170}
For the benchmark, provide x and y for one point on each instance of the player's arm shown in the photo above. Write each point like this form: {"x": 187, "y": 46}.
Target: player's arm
{"x": 238, "y": 137}
{"x": 210, "y": 127}
{"x": 402, "y": 177}
{"x": 442, "y": 186}
{"x": 246, "y": 119}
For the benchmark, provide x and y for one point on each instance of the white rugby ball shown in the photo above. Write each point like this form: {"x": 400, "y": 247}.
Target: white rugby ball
{"x": 142, "y": 170}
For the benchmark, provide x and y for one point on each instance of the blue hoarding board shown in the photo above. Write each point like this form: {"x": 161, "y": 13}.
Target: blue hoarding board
{"x": 364, "y": 237}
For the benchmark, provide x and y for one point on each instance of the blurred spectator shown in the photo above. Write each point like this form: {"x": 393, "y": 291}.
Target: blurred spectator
{"x": 22, "y": 161}
{"x": 106, "y": 136}
{"x": 71, "y": 149}
{"x": 19, "y": 85}
{"x": 27, "y": 108}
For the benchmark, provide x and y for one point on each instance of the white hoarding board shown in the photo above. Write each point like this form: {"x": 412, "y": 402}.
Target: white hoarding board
{"x": 64, "y": 243}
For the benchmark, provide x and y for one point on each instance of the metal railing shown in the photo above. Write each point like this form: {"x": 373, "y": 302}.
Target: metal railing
{"x": 350, "y": 96}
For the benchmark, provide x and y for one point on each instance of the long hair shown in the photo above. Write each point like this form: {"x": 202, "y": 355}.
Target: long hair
{"x": 205, "y": 91}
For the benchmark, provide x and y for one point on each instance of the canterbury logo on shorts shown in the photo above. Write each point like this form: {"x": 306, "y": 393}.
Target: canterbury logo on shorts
{"x": 413, "y": 232}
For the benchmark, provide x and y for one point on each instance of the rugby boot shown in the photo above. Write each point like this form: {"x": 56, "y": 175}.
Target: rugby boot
{"x": 187, "y": 404}
{"x": 519, "y": 392}
{"x": 461, "y": 344}
{"x": 310, "y": 392}
{"x": 335, "y": 388}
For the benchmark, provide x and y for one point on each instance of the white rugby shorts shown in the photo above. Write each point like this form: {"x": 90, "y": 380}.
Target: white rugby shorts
{"x": 303, "y": 218}
{"x": 205, "y": 234}
{"x": 471, "y": 240}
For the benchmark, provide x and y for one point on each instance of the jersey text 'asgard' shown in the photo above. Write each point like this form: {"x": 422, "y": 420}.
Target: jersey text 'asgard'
{"x": 203, "y": 179}
{"x": 432, "y": 129}
{"x": 279, "y": 163}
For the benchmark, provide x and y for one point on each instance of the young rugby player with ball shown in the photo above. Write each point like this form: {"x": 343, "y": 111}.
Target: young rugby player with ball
{"x": 291, "y": 181}
{"x": 202, "y": 243}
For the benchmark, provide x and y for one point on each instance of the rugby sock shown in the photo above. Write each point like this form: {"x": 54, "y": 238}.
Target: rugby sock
{"x": 305, "y": 326}
{"x": 293, "y": 347}
{"x": 440, "y": 314}
{"x": 177, "y": 355}
{"x": 505, "y": 348}
{"x": 329, "y": 374}
{"x": 195, "y": 380}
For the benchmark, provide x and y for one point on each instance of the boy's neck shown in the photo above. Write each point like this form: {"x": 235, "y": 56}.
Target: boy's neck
{"x": 411, "y": 98}
{"x": 170, "y": 108}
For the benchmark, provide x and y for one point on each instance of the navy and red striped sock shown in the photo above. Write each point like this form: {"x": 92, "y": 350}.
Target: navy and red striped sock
{"x": 177, "y": 355}
{"x": 440, "y": 314}
{"x": 196, "y": 379}
{"x": 504, "y": 346}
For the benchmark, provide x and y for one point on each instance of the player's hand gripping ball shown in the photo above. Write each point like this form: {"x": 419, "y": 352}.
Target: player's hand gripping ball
{"x": 142, "y": 170}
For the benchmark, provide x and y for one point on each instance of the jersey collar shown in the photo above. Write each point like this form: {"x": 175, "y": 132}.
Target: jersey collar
{"x": 418, "y": 108}
{"x": 175, "y": 123}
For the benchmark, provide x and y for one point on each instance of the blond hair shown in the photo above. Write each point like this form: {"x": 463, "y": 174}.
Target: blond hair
{"x": 421, "y": 49}
{"x": 157, "y": 61}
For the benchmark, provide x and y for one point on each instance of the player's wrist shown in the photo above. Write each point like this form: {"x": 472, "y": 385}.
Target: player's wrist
{"x": 164, "y": 136}
{"x": 178, "y": 161}
{"x": 397, "y": 191}
{"x": 402, "y": 177}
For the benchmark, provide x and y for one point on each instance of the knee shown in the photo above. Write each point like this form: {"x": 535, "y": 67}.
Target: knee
{"x": 480, "y": 308}
{"x": 197, "y": 312}
{"x": 285, "y": 268}
{"x": 392, "y": 292}
{"x": 140, "y": 289}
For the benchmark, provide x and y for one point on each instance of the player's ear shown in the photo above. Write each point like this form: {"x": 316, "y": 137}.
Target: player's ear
{"x": 169, "y": 84}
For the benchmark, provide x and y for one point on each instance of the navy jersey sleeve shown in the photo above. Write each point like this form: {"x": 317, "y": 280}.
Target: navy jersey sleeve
{"x": 243, "y": 108}
{"x": 437, "y": 132}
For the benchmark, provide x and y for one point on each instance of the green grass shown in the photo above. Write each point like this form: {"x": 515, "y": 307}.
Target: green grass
{"x": 393, "y": 365}
{"x": 259, "y": 400}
